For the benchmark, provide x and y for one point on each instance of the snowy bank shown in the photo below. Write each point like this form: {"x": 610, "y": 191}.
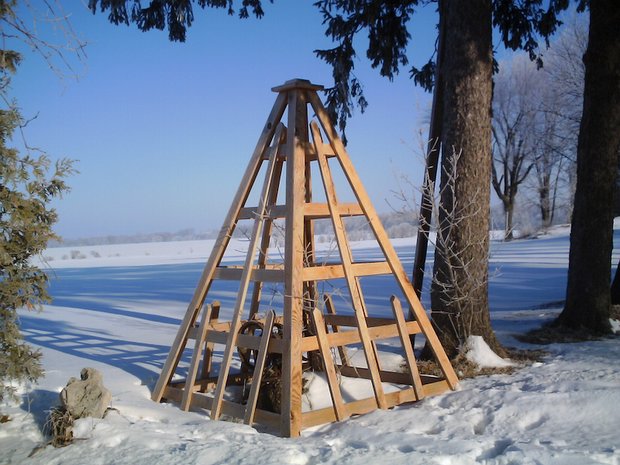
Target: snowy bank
{"x": 122, "y": 317}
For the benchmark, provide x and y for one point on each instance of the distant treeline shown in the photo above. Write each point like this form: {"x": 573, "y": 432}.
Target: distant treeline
{"x": 397, "y": 224}
{"x": 182, "y": 235}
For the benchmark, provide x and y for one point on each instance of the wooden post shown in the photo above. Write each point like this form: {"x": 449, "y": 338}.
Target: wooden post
{"x": 293, "y": 264}
{"x": 430, "y": 173}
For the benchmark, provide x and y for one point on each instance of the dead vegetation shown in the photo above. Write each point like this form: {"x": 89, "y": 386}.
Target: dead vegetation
{"x": 466, "y": 369}
{"x": 59, "y": 427}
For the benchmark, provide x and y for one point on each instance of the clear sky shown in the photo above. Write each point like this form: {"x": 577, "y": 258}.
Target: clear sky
{"x": 163, "y": 131}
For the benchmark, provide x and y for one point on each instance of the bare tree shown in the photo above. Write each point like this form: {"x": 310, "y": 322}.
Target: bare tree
{"x": 536, "y": 115}
{"x": 514, "y": 115}
{"x": 561, "y": 99}
{"x": 553, "y": 154}
{"x": 45, "y": 28}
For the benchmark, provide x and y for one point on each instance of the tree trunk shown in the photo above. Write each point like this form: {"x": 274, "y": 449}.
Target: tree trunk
{"x": 588, "y": 301}
{"x": 509, "y": 209}
{"x": 459, "y": 292}
{"x": 615, "y": 287}
{"x": 545, "y": 203}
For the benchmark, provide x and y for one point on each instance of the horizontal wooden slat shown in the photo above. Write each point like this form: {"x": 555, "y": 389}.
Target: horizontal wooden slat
{"x": 432, "y": 386}
{"x": 315, "y": 211}
{"x": 351, "y": 321}
{"x": 386, "y": 376}
{"x": 388, "y": 331}
{"x": 206, "y": 384}
{"x": 371, "y": 268}
{"x": 273, "y": 212}
{"x": 229, "y": 408}
{"x": 377, "y": 330}
{"x": 312, "y": 211}
{"x": 262, "y": 275}
{"x": 341, "y": 338}
{"x": 358, "y": 407}
{"x": 327, "y": 415}
{"x": 275, "y": 274}
{"x": 281, "y": 155}
{"x": 309, "y": 150}
{"x": 324, "y": 272}
{"x": 214, "y": 326}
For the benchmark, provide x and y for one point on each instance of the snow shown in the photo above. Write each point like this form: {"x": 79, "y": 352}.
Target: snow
{"x": 479, "y": 353}
{"x": 119, "y": 313}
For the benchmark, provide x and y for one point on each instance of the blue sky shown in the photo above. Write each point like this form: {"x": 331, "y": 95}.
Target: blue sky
{"x": 162, "y": 131}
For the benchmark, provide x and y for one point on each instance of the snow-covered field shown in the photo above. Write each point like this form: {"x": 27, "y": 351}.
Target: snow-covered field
{"x": 117, "y": 309}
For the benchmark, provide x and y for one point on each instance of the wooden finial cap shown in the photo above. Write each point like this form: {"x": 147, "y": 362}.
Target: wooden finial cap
{"x": 297, "y": 84}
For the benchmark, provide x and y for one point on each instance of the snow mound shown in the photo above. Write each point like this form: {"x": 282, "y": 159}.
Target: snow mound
{"x": 615, "y": 325}
{"x": 478, "y": 352}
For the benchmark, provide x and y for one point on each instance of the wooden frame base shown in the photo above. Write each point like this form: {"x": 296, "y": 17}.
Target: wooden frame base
{"x": 339, "y": 337}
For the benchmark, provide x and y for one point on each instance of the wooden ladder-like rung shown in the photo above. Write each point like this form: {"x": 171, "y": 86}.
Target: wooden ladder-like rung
{"x": 193, "y": 366}
{"x": 342, "y": 351}
{"x": 336, "y": 271}
{"x": 266, "y": 275}
{"x": 329, "y": 365}
{"x": 259, "y": 367}
{"x": 406, "y": 342}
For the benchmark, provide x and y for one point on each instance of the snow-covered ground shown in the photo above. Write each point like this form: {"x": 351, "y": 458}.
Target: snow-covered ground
{"x": 117, "y": 309}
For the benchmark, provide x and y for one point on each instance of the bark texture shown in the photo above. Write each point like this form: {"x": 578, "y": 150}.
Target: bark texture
{"x": 459, "y": 293}
{"x": 588, "y": 301}
{"x": 615, "y": 287}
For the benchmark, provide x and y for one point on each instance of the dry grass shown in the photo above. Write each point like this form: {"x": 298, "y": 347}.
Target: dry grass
{"x": 466, "y": 369}
{"x": 59, "y": 426}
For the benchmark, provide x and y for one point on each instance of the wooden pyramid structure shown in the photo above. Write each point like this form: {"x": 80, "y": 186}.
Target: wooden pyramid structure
{"x": 274, "y": 350}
